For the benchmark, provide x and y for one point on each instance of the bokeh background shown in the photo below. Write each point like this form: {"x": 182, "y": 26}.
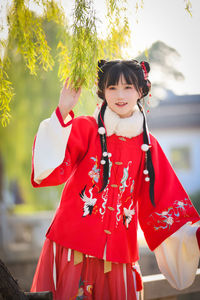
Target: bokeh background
{"x": 163, "y": 33}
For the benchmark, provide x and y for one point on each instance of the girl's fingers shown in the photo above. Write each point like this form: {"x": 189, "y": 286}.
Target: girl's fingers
{"x": 69, "y": 86}
{"x": 66, "y": 82}
{"x": 79, "y": 91}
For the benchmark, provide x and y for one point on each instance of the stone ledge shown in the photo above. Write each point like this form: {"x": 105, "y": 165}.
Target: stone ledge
{"x": 157, "y": 287}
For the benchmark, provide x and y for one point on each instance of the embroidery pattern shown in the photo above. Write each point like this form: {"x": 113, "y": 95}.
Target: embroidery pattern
{"x": 128, "y": 213}
{"x": 118, "y": 215}
{"x": 132, "y": 187}
{"x": 171, "y": 215}
{"x": 123, "y": 186}
{"x": 90, "y": 206}
{"x": 104, "y": 196}
{"x": 124, "y": 179}
{"x": 95, "y": 172}
{"x": 62, "y": 170}
{"x": 89, "y": 202}
{"x": 85, "y": 290}
{"x": 181, "y": 205}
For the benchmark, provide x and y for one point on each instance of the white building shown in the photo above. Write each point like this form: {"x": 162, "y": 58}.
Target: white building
{"x": 175, "y": 122}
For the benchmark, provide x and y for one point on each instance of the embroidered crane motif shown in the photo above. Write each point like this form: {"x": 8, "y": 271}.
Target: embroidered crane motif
{"x": 170, "y": 215}
{"x": 124, "y": 178}
{"x": 128, "y": 213}
{"x": 89, "y": 202}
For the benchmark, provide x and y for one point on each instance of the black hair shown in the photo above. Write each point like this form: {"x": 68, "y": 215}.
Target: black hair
{"x": 104, "y": 158}
{"x": 109, "y": 73}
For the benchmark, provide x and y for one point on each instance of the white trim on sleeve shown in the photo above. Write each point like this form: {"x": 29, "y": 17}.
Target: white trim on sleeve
{"x": 178, "y": 256}
{"x": 50, "y": 147}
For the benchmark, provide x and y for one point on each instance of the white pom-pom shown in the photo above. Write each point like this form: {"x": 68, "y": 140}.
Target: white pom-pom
{"x": 145, "y": 147}
{"x": 101, "y": 130}
{"x": 105, "y": 154}
{"x": 145, "y": 172}
{"x": 103, "y": 162}
{"x": 147, "y": 179}
{"x": 109, "y": 154}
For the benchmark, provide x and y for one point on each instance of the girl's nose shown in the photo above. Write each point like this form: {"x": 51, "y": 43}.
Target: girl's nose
{"x": 120, "y": 95}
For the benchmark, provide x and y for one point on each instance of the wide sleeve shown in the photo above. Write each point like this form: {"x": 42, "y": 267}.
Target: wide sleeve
{"x": 178, "y": 256}
{"x": 173, "y": 207}
{"x": 58, "y": 147}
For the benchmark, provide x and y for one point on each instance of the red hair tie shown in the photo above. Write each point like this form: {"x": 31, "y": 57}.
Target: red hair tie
{"x": 144, "y": 70}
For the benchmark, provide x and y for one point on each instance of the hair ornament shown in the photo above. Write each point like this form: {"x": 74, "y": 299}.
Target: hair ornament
{"x": 148, "y": 83}
{"x": 145, "y": 147}
{"x": 144, "y": 70}
{"x": 145, "y": 172}
{"x": 103, "y": 162}
{"x": 101, "y": 130}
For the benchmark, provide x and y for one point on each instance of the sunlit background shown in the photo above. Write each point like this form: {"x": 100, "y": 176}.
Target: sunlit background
{"x": 26, "y": 212}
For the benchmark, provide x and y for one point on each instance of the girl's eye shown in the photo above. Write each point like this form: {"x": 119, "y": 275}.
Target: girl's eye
{"x": 111, "y": 88}
{"x": 128, "y": 87}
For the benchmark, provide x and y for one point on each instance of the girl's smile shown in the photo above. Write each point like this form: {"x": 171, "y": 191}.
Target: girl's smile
{"x": 122, "y": 97}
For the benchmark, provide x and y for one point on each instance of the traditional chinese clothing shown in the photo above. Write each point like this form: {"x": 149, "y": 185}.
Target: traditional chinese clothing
{"x": 104, "y": 224}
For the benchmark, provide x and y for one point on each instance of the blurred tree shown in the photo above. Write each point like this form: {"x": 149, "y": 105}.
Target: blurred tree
{"x": 77, "y": 49}
{"x": 161, "y": 55}
{"x": 162, "y": 59}
{"x": 76, "y": 54}
{"x": 35, "y": 99}
{"x": 35, "y": 45}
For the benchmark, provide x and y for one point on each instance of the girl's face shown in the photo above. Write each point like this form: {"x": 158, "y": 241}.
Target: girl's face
{"x": 122, "y": 97}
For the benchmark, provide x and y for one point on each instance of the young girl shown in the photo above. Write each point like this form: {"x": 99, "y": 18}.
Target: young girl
{"x": 115, "y": 174}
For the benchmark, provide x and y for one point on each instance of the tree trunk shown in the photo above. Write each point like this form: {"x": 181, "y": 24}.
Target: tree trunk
{"x": 10, "y": 290}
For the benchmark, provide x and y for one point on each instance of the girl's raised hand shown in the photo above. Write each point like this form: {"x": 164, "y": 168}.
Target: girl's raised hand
{"x": 68, "y": 98}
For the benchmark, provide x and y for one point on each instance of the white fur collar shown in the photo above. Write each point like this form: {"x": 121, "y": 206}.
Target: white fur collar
{"x": 127, "y": 127}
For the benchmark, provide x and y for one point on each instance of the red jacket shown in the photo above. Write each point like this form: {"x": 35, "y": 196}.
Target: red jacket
{"x": 87, "y": 220}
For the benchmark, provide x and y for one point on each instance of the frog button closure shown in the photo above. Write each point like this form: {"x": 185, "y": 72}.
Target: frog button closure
{"x": 118, "y": 163}
{"x": 122, "y": 139}
{"x": 111, "y": 208}
{"x": 107, "y": 231}
{"x": 114, "y": 185}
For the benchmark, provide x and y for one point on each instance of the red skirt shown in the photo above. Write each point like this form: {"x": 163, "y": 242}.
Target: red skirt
{"x": 57, "y": 272}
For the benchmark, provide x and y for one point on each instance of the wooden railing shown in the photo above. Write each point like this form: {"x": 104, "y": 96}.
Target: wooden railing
{"x": 156, "y": 287}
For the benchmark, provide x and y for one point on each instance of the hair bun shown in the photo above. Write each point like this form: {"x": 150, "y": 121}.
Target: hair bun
{"x": 146, "y": 64}
{"x": 101, "y": 62}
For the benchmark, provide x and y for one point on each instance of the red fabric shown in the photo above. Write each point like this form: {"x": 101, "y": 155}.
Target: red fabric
{"x": 173, "y": 206}
{"x": 198, "y": 236}
{"x": 81, "y": 228}
{"x": 60, "y": 118}
{"x": 86, "y": 279}
{"x": 138, "y": 279}
{"x": 82, "y": 159}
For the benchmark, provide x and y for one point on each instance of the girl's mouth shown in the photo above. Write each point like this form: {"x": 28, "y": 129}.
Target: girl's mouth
{"x": 121, "y": 104}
